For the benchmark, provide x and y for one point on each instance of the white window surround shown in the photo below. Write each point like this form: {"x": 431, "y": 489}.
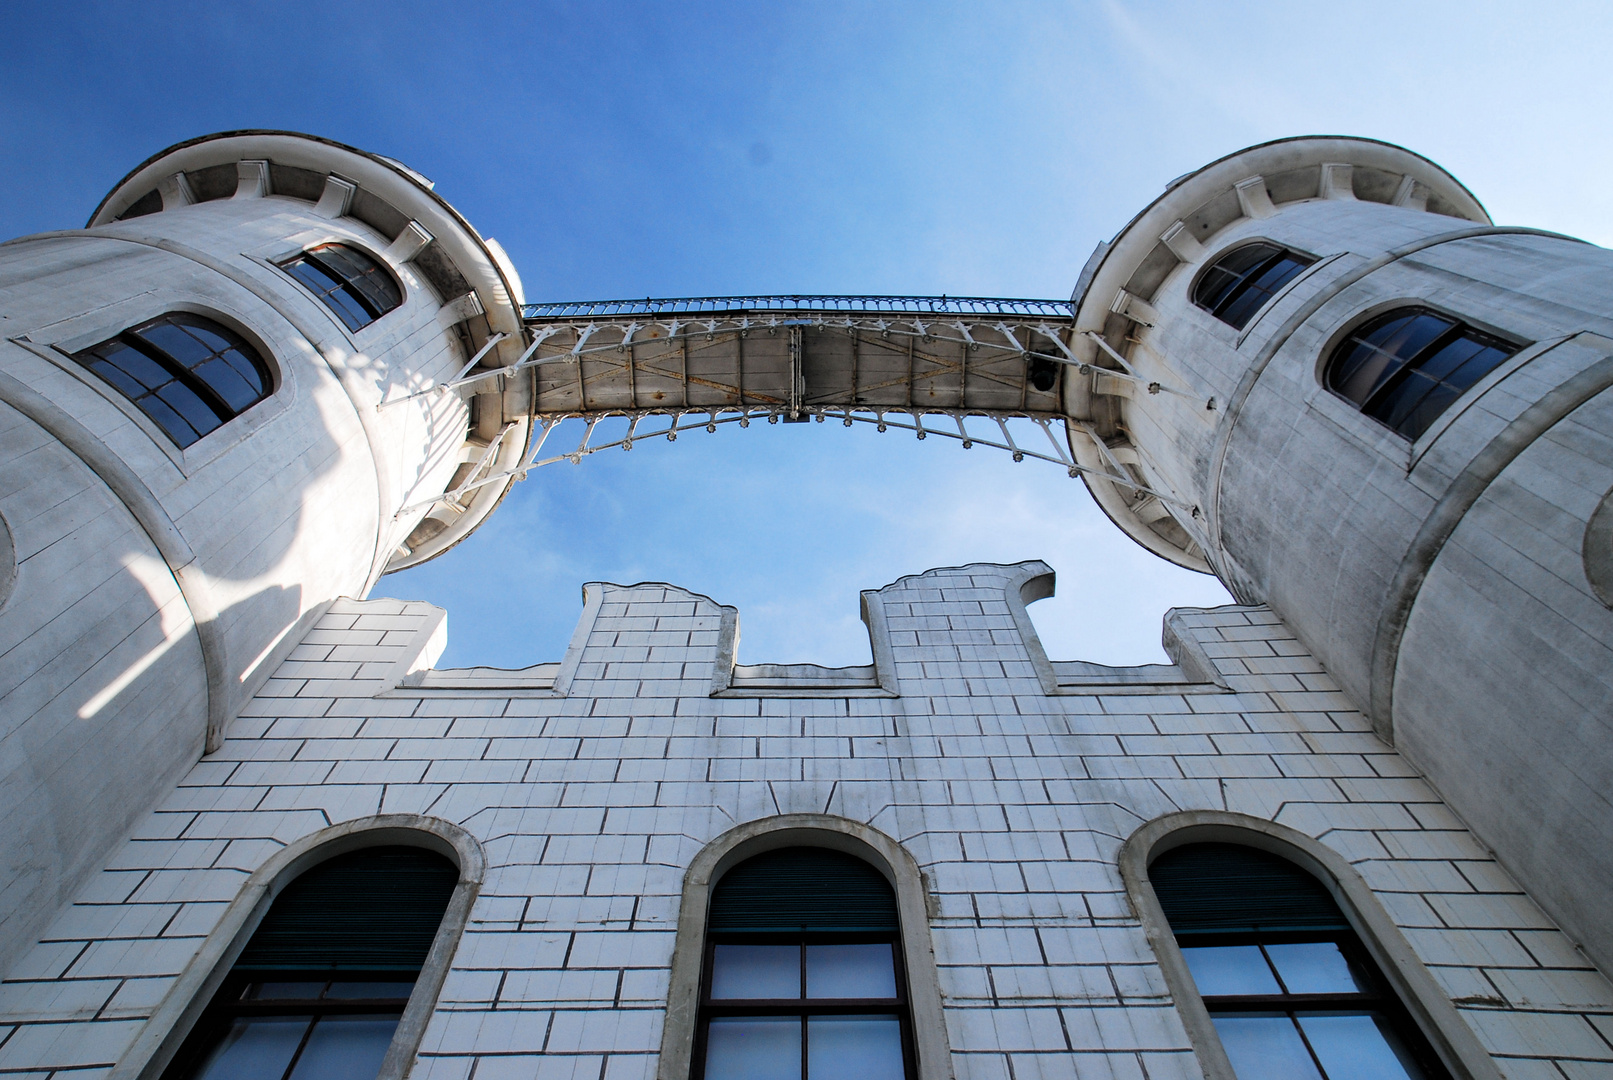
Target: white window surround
{"x": 60, "y": 344}
{"x": 272, "y": 257}
{"x": 165, "y": 1032}
{"x": 805, "y": 830}
{"x": 1451, "y": 1038}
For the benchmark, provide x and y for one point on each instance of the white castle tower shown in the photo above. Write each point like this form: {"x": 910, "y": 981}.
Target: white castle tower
{"x": 198, "y": 465}
{"x": 1398, "y": 436}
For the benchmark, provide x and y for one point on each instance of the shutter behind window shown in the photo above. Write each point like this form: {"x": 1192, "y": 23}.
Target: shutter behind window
{"x": 375, "y": 909}
{"x": 1220, "y": 888}
{"x": 812, "y": 889}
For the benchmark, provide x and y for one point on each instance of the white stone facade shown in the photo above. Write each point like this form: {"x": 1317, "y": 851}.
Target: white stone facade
{"x": 591, "y": 800}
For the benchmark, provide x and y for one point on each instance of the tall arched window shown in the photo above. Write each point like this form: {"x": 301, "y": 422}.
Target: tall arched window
{"x": 803, "y": 975}
{"x": 1239, "y": 283}
{"x": 1405, "y": 367}
{"x": 1291, "y": 991}
{"x": 319, "y": 988}
{"x": 188, "y": 373}
{"x": 353, "y": 285}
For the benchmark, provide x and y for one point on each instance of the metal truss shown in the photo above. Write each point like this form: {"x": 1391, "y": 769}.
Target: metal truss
{"x": 928, "y": 365}
{"x": 681, "y": 421}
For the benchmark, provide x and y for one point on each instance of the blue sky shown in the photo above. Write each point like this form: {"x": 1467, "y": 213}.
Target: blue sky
{"x": 678, "y": 149}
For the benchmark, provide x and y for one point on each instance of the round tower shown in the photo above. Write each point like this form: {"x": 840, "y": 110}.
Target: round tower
{"x": 1390, "y": 420}
{"x": 212, "y": 425}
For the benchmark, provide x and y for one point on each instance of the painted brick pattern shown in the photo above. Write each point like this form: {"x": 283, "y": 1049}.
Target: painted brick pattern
{"x": 591, "y": 803}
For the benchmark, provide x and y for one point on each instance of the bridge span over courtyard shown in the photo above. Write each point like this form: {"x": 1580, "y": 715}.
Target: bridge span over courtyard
{"x": 1008, "y": 374}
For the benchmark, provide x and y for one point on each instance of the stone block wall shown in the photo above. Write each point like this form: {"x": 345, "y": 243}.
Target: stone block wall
{"x": 593, "y": 785}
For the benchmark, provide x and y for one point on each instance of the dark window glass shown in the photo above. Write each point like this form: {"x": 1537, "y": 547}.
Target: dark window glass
{"x": 1290, "y": 989}
{"x": 351, "y": 284}
{"x": 1239, "y": 283}
{"x": 803, "y": 977}
{"x": 1406, "y": 367}
{"x": 187, "y": 373}
{"x": 317, "y": 992}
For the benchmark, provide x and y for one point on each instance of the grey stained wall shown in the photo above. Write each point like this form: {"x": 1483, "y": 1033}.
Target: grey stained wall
{"x": 1441, "y": 581}
{"x": 592, "y": 784}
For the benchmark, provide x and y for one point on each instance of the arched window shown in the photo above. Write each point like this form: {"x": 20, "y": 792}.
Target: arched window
{"x": 1239, "y": 283}
{"x": 351, "y": 284}
{"x": 319, "y": 988}
{"x": 803, "y": 974}
{"x": 187, "y": 373}
{"x": 1291, "y": 991}
{"x": 1404, "y": 368}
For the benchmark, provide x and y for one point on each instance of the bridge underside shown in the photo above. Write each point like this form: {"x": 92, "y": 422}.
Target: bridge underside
{"x": 931, "y": 365}
{"x": 987, "y": 357}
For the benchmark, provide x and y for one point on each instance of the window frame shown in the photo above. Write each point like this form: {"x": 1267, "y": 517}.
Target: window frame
{"x": 228, "y": 1004}
{"x": 1343, "y": 340}
{"x": 803, "y": 1007}
{"x": 1450, "y": 1038}
{"x": 129, "y": 337}
{"x": 932, "y": 1051}
{"x": 170, "y": 1025}
{"x": 348, "y": 286}
{"x": 1381, "y": 998}
{"x": 1307, "y": 262}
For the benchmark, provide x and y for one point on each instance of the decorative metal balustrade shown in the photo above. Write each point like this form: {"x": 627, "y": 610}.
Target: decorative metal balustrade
{"x": 706, "y": 305}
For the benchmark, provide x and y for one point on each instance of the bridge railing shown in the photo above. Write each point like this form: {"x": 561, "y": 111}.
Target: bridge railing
{"x": 927, "y": 305}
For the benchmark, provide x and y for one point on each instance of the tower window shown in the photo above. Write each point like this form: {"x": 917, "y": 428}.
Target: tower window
{"x": 803, "y": 973}
{"x": 1406, "y": 367}
{"x": 189, "y": 374}
{"x": 351, "y": 284}
{"x": 1290, "y": 988}
{"x": 1239, "y": 283}
{"x": 320, "y": 987}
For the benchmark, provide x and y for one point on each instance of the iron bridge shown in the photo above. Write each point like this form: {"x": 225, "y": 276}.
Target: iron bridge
{"x": 932, "y": 365}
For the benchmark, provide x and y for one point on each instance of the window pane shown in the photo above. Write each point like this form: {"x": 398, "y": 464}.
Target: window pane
{"x": 207, "y": 334}
{"x": 1264, "y": 1046}
{"x": 183, "y": 400}
{"x": 865, "y": 1047}
{"x": 850, "y": 971}
{"x": 1358, "y": 1047}
{"x": 345, "y": 1048}
{"x": 754, "y": 1048}
{"x": 1405, "y": 337}
{"x": 255, "y": 1049}
{"x": 246, "y": 368}
{"x": 1225, "y": 970}
{"x": 117, "y": 377}
{"x": 756, "y": 971}
{"x": 370, "y": 989}
{"x": 313, "y": 275}
{"x": 266, "y": 991}
{"x": 1362, "y": 371}
{"x": 227, "y": 383}
{"x": 351, "y": 311}
{"x": 137, "y": 364}
{"x": 1448, "y": 357}
{"x": 1261, "y": 287}
{"x": 171, "y": 422}
{"x": 175, "y": 342}
{"x": 364, "y": 275}
{"x": 1314, "y": 967}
